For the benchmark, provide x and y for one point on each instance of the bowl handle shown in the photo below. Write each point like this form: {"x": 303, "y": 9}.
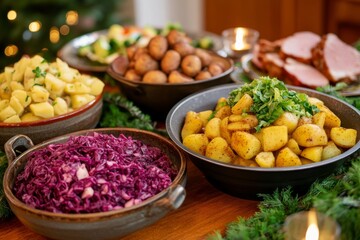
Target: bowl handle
{"x": 17, "y": 144}
{"x": 174, "y": 199}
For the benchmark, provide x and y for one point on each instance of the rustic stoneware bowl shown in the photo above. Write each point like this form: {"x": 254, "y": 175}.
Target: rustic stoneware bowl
{"x": 248, "y": 182}
{"x": 158, "y": 99}
{"x": 85, "y": 117}
{"x": 104, "y": 225}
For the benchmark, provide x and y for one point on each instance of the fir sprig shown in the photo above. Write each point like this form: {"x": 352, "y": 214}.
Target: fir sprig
{"x": 337, "y": 196}
{"x": 4, "y": 207}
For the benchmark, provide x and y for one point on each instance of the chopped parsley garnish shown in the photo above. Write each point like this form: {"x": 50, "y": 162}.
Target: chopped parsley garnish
{"x": 271, "y": 98}
{"x": 38, "y": 72}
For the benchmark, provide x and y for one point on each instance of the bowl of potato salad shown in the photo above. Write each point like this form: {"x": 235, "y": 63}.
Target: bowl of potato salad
{"x": 43, "y": 99}
{"x": 256, "y": 137}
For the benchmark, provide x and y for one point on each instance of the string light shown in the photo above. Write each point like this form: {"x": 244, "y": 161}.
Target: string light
{"x": 72, "y": 17}
{"x": 11, "y": 15}
{"x": 11, "y": 50}
{"x": 54, "y": 35}
{"x": 64, "y": 29}
{"x": 34, "y": 26}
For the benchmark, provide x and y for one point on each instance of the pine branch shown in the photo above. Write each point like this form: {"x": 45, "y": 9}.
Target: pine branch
{"x": 5, "y": 211}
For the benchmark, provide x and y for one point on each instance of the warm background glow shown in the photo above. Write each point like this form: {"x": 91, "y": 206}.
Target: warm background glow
{"x": 11, "y": 15}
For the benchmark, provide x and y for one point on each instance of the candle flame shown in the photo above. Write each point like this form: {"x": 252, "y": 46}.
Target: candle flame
{"x": 312, "y": 233}
{"x": 239, "y": 39}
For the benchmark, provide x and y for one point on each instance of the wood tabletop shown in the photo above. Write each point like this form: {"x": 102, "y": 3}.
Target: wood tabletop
{"x": 204, "y": 211}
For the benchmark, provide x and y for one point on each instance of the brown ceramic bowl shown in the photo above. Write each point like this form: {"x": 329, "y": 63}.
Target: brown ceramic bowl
{"x": 85, "y": 117}
{"x": 248, "y": 182}
{"x": 104, "y": 225}
{"x": 158, "y": 99}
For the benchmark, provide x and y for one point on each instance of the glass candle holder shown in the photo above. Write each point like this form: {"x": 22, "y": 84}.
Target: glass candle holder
{"x": 239, "y": 41}
{"x": 311, "y": 225}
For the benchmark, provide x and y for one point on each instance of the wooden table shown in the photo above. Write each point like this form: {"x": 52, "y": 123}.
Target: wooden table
{"x": 205, "y": 210}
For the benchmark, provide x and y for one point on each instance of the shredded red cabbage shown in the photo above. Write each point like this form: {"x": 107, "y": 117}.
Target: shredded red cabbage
{"x": 95, "y": 173}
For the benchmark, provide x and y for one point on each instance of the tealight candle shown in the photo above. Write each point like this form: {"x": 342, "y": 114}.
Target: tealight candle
{"x": 311, "y": 225}
{"x": 239, "y": 41}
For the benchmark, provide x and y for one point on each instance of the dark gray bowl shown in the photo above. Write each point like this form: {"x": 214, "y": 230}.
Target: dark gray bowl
{"x": 158, "y": 99}
{"x": 247, "y": 182}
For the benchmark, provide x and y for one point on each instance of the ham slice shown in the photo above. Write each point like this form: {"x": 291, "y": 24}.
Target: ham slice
{"x": 273, "y": 64}
{"x": 337, "y": 60}
{"x": 303, "y": 75}
{"x": 299, "y": 46}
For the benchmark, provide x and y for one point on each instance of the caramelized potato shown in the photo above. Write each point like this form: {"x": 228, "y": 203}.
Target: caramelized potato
{"x": 155, "y": 76}
{"x": 157, "y": 46}
{"x": 191, "y": 65}
{"x": 171, "y": 61}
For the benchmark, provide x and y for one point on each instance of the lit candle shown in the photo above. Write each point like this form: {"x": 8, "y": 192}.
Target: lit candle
{"x": 311, "y": 225}
{"x": 240, "y": 44}
{"x": 312, "y": 232}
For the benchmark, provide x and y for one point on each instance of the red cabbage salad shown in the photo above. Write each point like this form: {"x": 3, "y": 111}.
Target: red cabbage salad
{"x": 96, "y": 173}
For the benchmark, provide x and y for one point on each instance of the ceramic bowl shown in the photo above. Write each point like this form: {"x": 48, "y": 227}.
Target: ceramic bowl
{"x": 104, "y": 225}
{"x": 248, "y": 182}
{"x": 86, "y": 117}
{"x": 158, "y": 99}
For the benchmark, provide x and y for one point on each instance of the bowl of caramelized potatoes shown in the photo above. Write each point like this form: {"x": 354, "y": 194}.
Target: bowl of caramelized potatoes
{"x": 256, "y": 137}
{"x": 46, "y": 99}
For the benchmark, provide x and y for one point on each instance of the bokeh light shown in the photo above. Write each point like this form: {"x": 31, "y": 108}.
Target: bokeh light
{"x": 64, "y": 29}
{"x": 72, "y": 17}
{"x": 11, "y": 50}
{"x": 11, "y": 15}
{"x": 34, "y": 26}
{"x": 54, "y": 35}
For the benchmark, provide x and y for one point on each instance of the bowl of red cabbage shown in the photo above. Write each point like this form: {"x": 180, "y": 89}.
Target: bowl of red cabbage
{"x": 94, "y": 184}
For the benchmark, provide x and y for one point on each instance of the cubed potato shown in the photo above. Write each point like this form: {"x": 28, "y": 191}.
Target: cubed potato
{"x": 60, "y": 106}
{"x": 238, "y": 126}
{"x": 7, "y": 112}
{"x": 274, "y": 137}
{"x": 54, "y": 85}
{"x": 310, "y": 135}
{"x": 304, "y": 120}
{"x": 294, "y": 146}
{"x": 22, "y": 96}
{"x": 79, "y": 100}
{"x": 97, "y": 87}
{"x": 29, "y": 117}
{"x": 265, "y": 159}
{"x": 319, "y": 119}
{"x": 243, "y": 105}
{"x": 193, "y": 124}
{"x": 287, "y": 158}
{"x": 249, "y": 119}
{"x": 224, "y": 132}
{"x": 43, "y": 109}
{"x": 219, "y": 149}
{"x": 4, "y": 103}
{"x": 14, "y": 85}
{"x": 205, "y": 116}
{"x": 220, "y": 103}
{"x": 77, "y": 88}
{"x": 223, "y": 112}
{"x": 312, "y": 153}
{"x": 67, "y": 74}
{"x": 245, "y": 144}
{"x": 196, "y": 142}
{"x": 331, "y": 120}
{"x": 8, "y": 74}
{"x": 343, "y": 137}
{"x": 39, "y": 94}
{"x": 19, "y": 69}
{"x": 305, "y": 161}
{"x": 5, "y": 90}
{"x": 16, "y": 105}
{"x": 212, "y": 128}
{"x": 13, "y": 119}
{"x": 330, "y": 150}
{"x": 244, "y": 162}
{"x": 287, "y": 119}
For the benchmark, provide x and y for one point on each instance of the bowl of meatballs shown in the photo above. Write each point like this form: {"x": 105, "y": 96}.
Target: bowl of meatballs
{"x": 169, "y": 68}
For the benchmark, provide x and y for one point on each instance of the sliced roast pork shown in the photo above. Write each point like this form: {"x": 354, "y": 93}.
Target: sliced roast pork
{"x": 273, "y": 64}
{"x": 337, "y": 60}
{"x": 301, "y": 74}
{"x": 299, "y": 46}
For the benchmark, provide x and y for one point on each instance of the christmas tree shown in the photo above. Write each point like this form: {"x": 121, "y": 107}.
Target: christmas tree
{"x": 44, "y": 26}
